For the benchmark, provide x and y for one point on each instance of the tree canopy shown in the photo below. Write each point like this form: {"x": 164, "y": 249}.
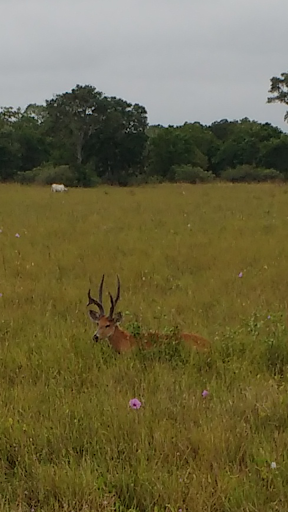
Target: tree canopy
{"x": 84, "y": 137}
{"x": 279, "y": 91}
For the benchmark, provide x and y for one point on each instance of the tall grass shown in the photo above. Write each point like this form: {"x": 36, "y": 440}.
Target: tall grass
{"x": 69, "y": 441}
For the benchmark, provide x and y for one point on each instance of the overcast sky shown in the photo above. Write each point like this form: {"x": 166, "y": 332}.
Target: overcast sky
{"x": 184, "y": 60}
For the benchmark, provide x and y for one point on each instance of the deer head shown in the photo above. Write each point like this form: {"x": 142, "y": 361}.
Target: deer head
{"x": 106, "y": 323}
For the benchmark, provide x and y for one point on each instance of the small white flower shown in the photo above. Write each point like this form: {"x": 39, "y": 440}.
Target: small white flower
{"x": 273, "y": 465}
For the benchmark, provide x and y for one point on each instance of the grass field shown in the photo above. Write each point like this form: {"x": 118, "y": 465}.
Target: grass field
{"x": 69, "y": 441}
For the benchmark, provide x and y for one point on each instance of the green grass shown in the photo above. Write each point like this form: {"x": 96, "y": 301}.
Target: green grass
{"x": 69, "y": 441}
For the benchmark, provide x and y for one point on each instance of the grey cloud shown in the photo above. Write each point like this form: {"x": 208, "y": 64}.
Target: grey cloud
{"x": 184, "y": 60}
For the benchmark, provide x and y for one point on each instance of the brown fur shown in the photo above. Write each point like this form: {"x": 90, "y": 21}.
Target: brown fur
{"x": 123, "y": 341}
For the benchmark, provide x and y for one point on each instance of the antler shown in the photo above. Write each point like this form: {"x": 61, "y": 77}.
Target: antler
{"x": 101, "y": 289}
{"x": 114, "y": 301}
{"x": 97, "y": 303}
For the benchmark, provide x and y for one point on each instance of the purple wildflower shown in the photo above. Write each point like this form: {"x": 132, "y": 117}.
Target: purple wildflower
{"x": 135, "y": 403}
{"x": 240, "y": 274}
{"x": 269, "y": 316}
{"x": 1, "y": 294}
{"x": 17, "y": 235}
{"x": 205, "y": 393}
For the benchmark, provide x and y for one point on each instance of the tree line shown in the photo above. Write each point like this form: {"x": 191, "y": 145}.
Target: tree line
{"x": 84, "y": 138}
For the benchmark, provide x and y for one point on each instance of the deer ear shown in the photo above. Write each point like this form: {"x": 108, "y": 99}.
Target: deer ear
{"x": 118, "y": 317}
{"x": 95, "y": 317}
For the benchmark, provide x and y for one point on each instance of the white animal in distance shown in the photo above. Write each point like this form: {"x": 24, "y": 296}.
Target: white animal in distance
{"x": 58, "y": 188}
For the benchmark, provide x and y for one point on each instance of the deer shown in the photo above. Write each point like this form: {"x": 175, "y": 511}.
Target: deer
{"x": 123, "y": 341}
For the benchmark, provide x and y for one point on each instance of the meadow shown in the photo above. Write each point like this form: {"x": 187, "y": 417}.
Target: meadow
{"x": 209, "y": 259}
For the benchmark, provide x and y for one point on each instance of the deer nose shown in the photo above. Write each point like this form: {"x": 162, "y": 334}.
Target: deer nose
{"x": 95, "y": 337}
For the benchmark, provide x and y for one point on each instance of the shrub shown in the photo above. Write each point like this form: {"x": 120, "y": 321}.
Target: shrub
{"x": 190, "y": 174}
{"x": 144, "y": 179}
{"x": 87, "y": 177}
{"x": 249, "y": 174}
{"x": 26, "y": 177}
{"x": 61, "y": 174}
{"x": 48, "y": 174}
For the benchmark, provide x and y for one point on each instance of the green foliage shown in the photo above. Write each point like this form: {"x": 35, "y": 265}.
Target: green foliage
{"x": 74, "y": 116}
{"x": 107, "y": 140}
{"x": 206, "y": 144}
{"x": 9, "y": 155}
{"x": 190, "y": 174}
{"x": 117, "y": 149}
{"x": 274, "y": 153}
{"x": 28, "y": 177}
{"x": 279, "y": 89}
{"x": 9, "y": 147}
{"x": 224, "y": 129}
{"x": 169, "y": 147}
{"x": 48, "y": 174}
{"x": 189, "y": 144}
{"x": 33, "y": 143}
{"x": 275, "y": 354}
{"x": 249, "y": 174}
{"x": 107, "y": 134}
{"x": 242, "y": 142}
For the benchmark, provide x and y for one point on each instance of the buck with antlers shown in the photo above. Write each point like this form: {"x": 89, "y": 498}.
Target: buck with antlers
{"x": 123, "y": 341}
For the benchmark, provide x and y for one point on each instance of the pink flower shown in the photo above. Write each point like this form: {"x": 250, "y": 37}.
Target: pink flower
{"x": 1, "y": 294}
{"x": 240, "y": 274}
{"x": 205, "y": 393}
{"x": 135, "y": 403}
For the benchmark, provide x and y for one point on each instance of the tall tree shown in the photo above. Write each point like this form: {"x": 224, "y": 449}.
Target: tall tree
{"x": 168, "y": 147}
{"x": 37, "y": 112}
{"x": 117, "y": 147}
{"x": 274, "y": 154}
{"x": 279, "y": 87}
{"x": 241, "y": 143}
{"x": 223, "y": 129}
{"x": 34, "y": 145}
{"x": 73, "y": 116}
{"x": 9, "y": 146}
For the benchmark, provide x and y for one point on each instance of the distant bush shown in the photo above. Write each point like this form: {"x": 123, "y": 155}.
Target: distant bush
{"x": 154, "y": 180}
{"x": 26, "y": 177}
{"x": 86, "y": 176}
{"x": 61, "y": 174}
{"x": 190, "y": 174}
{"x": 48, "y": 174}
{"x": 249, "y": 174}
{"x": 144, "y": 179}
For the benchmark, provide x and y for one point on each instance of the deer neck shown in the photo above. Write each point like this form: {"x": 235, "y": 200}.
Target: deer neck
{"x": 121, "y": 340}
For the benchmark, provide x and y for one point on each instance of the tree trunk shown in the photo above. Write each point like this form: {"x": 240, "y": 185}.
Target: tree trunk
{"x": 79, "y": 147}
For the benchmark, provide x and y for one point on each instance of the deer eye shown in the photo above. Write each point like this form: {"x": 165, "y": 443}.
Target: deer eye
{"x": 106, "y": 326}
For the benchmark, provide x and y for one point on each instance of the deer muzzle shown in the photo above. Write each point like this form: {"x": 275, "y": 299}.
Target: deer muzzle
{"x": 95, "y": 337}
